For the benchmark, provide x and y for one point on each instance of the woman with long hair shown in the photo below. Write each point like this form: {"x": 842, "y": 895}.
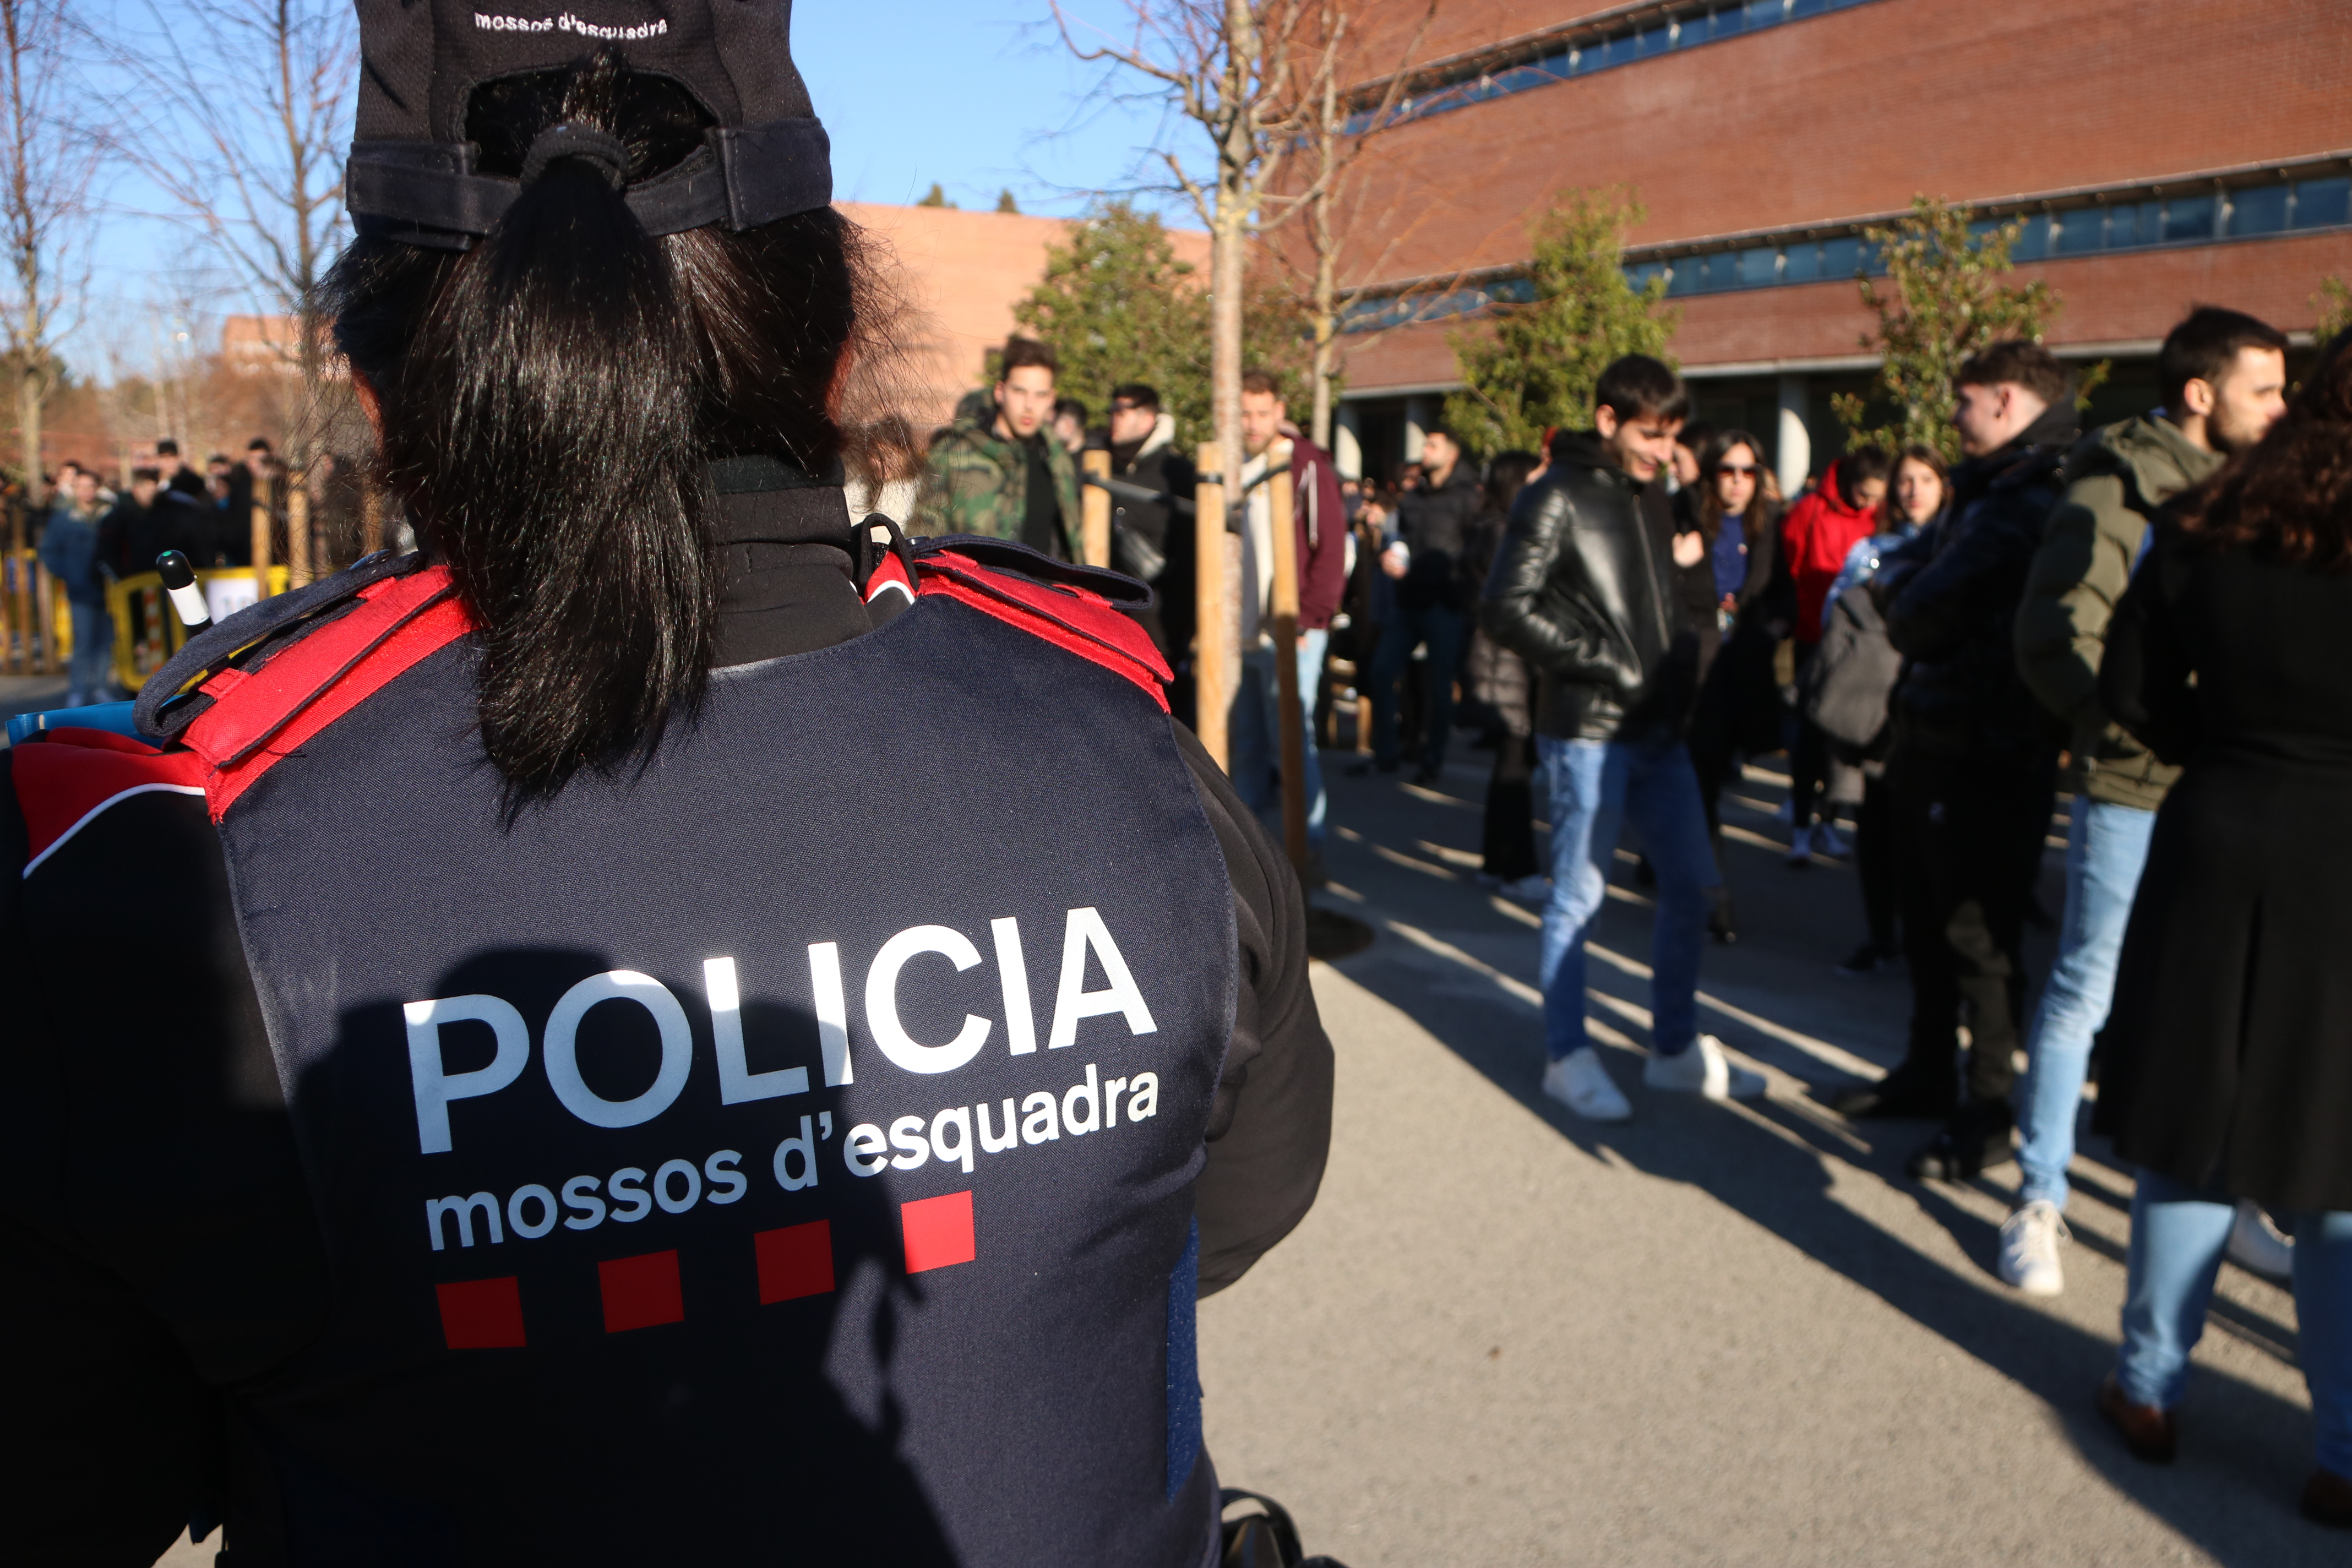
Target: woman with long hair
{"x": 1736, "y": 511}
{"x": 1918, "y": 496}
{"x": 569, "y": 1109}
{"x": 2226, "y": 1072}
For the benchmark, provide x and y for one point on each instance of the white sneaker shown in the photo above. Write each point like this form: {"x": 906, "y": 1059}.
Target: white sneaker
{"x": 1826, "y": 841}
{"x": 1579, "y": 1082}
{"x": 1800, "y": 848}
{"x": 2029, "y": 1249}
{"x": 1703, "y": 1070}
{"x": 1534, "y": 888}
{"x": 2258, "y": 1244}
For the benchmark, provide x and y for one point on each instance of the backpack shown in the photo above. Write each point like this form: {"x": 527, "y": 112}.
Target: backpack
{"x": 1848, "y": 686}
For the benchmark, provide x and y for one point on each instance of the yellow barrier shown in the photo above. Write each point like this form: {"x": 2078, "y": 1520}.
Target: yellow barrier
{"x": 147, "y": 632}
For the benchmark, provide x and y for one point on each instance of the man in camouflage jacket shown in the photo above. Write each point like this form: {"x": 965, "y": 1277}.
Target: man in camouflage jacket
{"x": 983, "y": 467}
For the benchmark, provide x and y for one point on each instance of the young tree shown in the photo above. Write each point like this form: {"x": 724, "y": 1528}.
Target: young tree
{"x": 243, "y": 122}
{"x": 2335, "y": 302}
{"x": 936, "y": 198}
{"x": 47, "y": 165}
{"x": 1537, "y": 368}
{"x": 1005, "y": 203}
{"x": 1118, "y": 304}
{"x": 1946, "y": 299}
{"x": 1339, "y": 127}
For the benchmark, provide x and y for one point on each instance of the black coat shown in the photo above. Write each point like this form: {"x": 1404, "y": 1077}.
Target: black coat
{"x": 2225, "y": 1057}
{"x": 1584, "y": 588}
{"x": 1950, "y": 601}
{"x": 1435, "y": 525}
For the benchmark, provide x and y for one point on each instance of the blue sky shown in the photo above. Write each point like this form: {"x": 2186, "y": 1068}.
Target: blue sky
{"x": 979, "y": 96}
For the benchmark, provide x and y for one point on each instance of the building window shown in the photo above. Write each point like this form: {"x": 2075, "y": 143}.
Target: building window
{"x": 2322, "y": 204}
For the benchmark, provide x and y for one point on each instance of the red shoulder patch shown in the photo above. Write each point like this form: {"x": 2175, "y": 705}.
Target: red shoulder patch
{"x": 260, "y": 717}
{"x": 1074, "y": 619}
{"x": 69, "y": 777}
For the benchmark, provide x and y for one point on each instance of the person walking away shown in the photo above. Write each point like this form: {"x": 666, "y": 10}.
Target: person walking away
{"x": 1972, "y": 760}
{"x": 487, "y": 1172}
{"x": 1000, "y": 473}
{"x": 2223, "y": 375}
{"x": 1735, "y": 513}
{"x": 1321, "y": 542}
{"x": 1584, "y": 590}
{"x": 1499, "y": 680}
{"x": 1916, "y": 501}
{"x": 2225, "y": 1075}
{"x": 1821, "y": 529}
{"x": 1150, "y": 537}
{"x": 69, "y": 549}
{"x": 1434, "y": 601}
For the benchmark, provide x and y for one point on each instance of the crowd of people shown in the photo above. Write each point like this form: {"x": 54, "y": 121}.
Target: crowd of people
{"x": 2133, "y": 615}
{"x": 89, "y": 535}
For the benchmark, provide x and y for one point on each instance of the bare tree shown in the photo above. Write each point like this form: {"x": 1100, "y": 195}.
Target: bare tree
{"x": 1339, "y": 128}
{"x": 45, "y": 209}
{"x": 247, "y": 127}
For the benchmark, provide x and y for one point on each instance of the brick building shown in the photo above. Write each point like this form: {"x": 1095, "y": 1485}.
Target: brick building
{"x": 2161, "y": 151}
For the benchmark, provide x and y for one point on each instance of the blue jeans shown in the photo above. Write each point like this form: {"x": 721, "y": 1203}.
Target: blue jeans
{"x": 89, "y": 672}
{"x": 2107, "y": 848}
{"x": 1444, "y": 631}
{"x": 1252, "y": 732}
{"x": 2178, "y": 1238}
{"x": 1594, "y": 786}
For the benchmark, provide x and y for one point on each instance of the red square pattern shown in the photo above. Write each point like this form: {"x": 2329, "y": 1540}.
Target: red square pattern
{"x": 641, "y": 1292}
{"x": 939, "y": 1231}
{"x": 481, "y": 1314}
{"x": 796, "y": 1261}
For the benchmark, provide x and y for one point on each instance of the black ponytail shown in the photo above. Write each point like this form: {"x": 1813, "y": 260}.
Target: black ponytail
{"x": 549, "y": 401}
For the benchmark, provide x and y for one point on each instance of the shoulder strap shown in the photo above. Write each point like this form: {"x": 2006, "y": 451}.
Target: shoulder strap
{"x": 268, "y": 711}
{"x": 1077, "y": 608}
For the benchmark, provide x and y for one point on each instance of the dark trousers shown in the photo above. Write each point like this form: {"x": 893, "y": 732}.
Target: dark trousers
{"x": 1962, "y": 875}
{"x": 1873, "y": 862}
{"x": 1509, "y": 839}
{"x": 1444, "y": 631}
{"x": 1809, "y": 754}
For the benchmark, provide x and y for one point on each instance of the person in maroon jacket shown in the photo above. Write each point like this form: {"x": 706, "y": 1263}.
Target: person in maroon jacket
{"x": 1321, "y": 525}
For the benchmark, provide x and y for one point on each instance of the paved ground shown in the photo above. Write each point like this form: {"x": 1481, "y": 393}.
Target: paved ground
{"x": 1711, "y": 1334}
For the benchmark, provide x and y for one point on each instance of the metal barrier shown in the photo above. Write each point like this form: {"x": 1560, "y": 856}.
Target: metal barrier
{"x": 32, "y": 642}
{"x": 146, "y": 632}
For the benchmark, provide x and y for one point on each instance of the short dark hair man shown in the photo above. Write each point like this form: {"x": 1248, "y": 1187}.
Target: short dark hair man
{"x": 1000, "y": 472}
{"x": 1434, "y": 601}
{"x": 1971, "y": 769}
{"x": 177, "y": 475}
{"x": 2223, "y": 378}
{"x": 1584, "y": 589}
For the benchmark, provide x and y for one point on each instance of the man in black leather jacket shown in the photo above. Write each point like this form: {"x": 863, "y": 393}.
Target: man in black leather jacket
{"x": 1584, "y": 589}
{"x": 1973, "y": 760}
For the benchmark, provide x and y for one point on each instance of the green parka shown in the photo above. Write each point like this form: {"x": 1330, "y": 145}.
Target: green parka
{"x": 979, "y": 483}
{"x": 2115, "y": 478}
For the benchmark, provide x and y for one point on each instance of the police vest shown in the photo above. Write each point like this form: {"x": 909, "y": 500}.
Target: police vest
{"x": 783, "y": 1153}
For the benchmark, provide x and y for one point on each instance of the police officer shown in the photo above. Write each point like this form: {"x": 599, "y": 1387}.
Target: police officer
{"x": 602, "y": 1041}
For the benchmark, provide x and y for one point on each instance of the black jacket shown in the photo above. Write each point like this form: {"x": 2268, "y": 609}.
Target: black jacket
{"x": 1435, "y": 525}
{"x": 1950, "y": 598}
{"x": 1584, "y": 589}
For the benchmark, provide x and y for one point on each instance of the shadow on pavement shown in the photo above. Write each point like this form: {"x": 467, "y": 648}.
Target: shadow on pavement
{"x": 2249, "y": 1450}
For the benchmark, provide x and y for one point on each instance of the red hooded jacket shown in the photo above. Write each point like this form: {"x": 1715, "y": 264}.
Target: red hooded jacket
{"x": 1815, "y": 537}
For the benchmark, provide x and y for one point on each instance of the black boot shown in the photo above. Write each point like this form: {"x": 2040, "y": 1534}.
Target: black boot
{"x": 1909, "y": 1090}
{"x": 1721, "y": 924}
{"x": 1976, "y": 1138}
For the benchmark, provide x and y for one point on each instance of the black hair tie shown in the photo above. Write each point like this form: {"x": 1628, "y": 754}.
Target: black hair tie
{"x": 572, "y": 139}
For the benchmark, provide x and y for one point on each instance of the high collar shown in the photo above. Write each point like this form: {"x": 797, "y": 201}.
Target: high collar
{"x": 784, "y": 564}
